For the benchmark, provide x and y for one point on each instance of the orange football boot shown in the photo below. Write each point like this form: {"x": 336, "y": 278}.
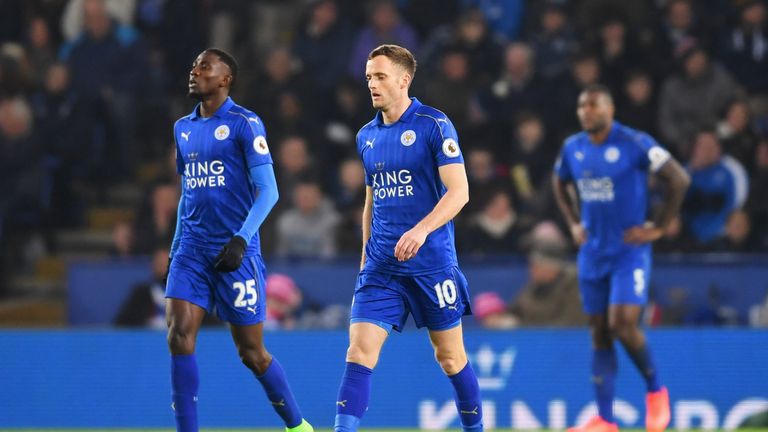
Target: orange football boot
{"x": 657, "y": 410}
{"x": 596, "y": 424}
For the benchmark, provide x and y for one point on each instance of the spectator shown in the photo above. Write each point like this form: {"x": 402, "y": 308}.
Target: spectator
{"x": 637, "y": 106}
{"x": 40, "y": 49}
{"x": 551, "y": 296}
{"x": 483, "y": 176}
{"x": 490, "y": 311}
{"x": 584, "y": 71}
{"x": 63, "y": 128}
{"x": 719, "y": 185}
{"x": 280, "y": 75}
{"x": 156, "y": 218}
{"x": 678, "y": 25}
{"x": 737, "y": 236}
{"x": 757, "y": 204}
{"x": 451, "y": 89}
{"x": 618, "y": 53}
{"x": 145, "y": 305}
{"x": 471, "y": 36}
{"x": 736, "y": 134}
{"x": 517, "y": 88}
{"x": 283, "y": 301}
{"x": 384, "y": 26}
{"x": 745, "y": 51}
{"x": 530, "y": 163}
{"x": 322, "y": 42}
{"x": 494, "y": 230}
{"x": 504, "y": 16}
{"x": 692, "y": 98}
{"x": 350, "y": 109}
{"x": 293, "y": 162}
{"x": 122, "y": 240}
{"x": 106, "y": 62}
{"x": 554, "y": 42}
{"x": 308, "y": 229}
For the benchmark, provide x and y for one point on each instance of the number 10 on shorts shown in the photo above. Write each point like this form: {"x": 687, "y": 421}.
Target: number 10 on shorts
{"x": 446, "y": 293}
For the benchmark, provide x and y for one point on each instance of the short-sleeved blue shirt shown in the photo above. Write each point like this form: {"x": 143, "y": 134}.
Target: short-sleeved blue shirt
{"x": 214, "y": 156}
{"x": 401, "y": 162}
{"x": 612, "y": 182}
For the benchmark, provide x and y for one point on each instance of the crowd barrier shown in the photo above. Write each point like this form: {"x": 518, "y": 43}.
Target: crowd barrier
{"x": 96, "y": 289}
{"x": 529, "y": 379}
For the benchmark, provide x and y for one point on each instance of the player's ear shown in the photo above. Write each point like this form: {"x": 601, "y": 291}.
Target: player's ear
{"x": 405, "y": 80}
{"x": 227, "y": 81}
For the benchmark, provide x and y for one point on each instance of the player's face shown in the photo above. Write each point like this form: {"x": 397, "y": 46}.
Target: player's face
{"x": 595, "y": 111}
{"x": 386, "y": 82}
{"x": 208, "y": 74}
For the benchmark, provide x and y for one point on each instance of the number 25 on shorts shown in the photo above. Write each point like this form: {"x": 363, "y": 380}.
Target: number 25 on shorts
{"x": 246, "y": 289}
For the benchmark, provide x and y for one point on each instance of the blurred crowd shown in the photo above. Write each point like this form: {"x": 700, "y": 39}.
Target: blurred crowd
{"x": 89, "y": 90}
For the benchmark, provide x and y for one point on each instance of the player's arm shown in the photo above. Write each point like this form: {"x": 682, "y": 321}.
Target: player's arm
{"x": 676, "y": 181}
{"x": 454, "y": 177}
{"x": 263, "y": 179}
{"x": 568, "y": 205}
{"x": 177, "y": 231}
{"x": 366, "y": 223}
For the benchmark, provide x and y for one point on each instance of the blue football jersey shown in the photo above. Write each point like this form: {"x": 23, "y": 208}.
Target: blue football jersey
{"x": 214, "y": 155}
{"x": 401, "y": 163}
{"x": 612, "y": 182}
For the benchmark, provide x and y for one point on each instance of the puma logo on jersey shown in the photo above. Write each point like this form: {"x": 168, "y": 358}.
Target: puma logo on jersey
{"x": 186, "y": 135}
{"x": 369, "y": 143}
{"x": 342, "y": 404}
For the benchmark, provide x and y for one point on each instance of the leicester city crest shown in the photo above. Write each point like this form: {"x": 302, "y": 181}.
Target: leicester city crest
{"x": 408, "y": 137}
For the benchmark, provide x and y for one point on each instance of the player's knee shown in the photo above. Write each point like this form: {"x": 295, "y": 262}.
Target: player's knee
{"x": 623, "y": 330}
{"x": 257, "y": 360}
{"x": 180, "y": 341}
{"x": 451, "y": 362}
{"x": 361, "y": 356}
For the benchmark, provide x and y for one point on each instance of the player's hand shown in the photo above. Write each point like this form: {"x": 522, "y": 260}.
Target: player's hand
{"x": 409, "y": 243}
{"x": 645, "y": 233}
{"x": 579, "y": 234}
{"x": 231, "y": 255}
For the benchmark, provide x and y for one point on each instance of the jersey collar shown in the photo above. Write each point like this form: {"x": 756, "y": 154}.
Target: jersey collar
{"x": 228, "y": 103}
{"x": 405, "y": 118}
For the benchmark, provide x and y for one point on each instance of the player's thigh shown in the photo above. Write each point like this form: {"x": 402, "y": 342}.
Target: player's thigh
{"x": 184, "y": 321}
{"x": 190, "y": 278}
{"x": 240, "y": 295}
{"x": 595, "y": 295}
{"x": 378, "y": 300}
{"x": 438, "y": 300}
{"x": 449, "y": 348}
{"x": 365, "y": 343}
{"x": 630, "y": 279}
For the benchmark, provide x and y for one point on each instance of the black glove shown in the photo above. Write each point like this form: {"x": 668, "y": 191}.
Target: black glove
{"x": 231, "y": 255}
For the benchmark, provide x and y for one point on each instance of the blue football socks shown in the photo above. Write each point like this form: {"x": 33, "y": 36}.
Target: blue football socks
{"x": 185, "y": 383}
{"x": 466, "y": 393}
{"x": 604, "y": 368}
{"x": 644, "y": 362}
{"x": 279, "y": 394}
{"x": 354, "y": 393}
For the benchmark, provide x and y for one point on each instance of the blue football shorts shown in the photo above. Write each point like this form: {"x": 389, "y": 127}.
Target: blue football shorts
{"x": 614, "y": 280}
{"x": 238, "y": 297}
{"x": 436, "y": 301}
